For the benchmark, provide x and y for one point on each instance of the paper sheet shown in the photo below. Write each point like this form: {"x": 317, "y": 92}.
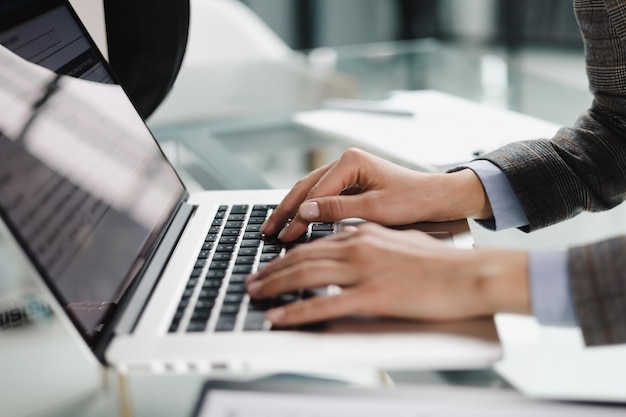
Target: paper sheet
{"x": 445, "y": 401}
{"x": 444, "y": 132}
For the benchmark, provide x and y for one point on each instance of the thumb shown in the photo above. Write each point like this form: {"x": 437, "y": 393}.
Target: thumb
{"x": 329, "y": 209}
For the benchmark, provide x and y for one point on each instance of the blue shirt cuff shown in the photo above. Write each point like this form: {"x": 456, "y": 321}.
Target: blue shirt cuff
{"x": 550, "y": 291}
{"x": 507, "y": 210}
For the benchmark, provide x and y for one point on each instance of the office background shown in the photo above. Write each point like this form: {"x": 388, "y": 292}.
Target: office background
{"x": 305, "y": 24}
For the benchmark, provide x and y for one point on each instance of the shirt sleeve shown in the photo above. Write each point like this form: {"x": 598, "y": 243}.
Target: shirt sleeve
{"x": 550, "y": 292}
{"x": 507, "y": 210}
{"x": 550, "y": 289}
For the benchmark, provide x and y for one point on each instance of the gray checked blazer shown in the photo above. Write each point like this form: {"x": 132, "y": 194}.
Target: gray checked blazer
{"x": 583, "y": 168}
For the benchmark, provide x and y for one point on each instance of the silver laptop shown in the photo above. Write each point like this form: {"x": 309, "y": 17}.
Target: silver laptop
{"x": 148, "y": 275}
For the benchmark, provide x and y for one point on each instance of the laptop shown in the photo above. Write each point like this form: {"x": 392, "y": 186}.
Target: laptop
{"x": 148, "y": 275}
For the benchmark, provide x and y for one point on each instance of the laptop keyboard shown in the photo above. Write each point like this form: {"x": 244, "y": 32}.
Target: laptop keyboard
{"x": 215, "y": 298}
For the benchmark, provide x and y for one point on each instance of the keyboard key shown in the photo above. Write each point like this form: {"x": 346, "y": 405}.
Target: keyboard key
{"x": 262, "y": 265}
{"x": 247, "y": 251}
{"x": 214, "y": 229}
{"x": 228, "y": 240}
{"x": 196, "y": 272}
{"x": 233, "y": 298}
{"x": 239, "y": 209}
{"x": 238, "y": 278}
{"x": 236, "y": 217}
{"x": 179, "y": 314}
{"x": 263, "y": 207}
{"x": 259, "y": 305}
{"x": 256, "y": 220}
{"x": 254, "y": 321}
{"x": 211, "y": 237}
{"x": 242, "y": 269}
{"x": 200, "y": 263}
{"x": 234, "y": 225}
{"x": 272, "y": 240}
{"x": 216, "y": 273}
{"x": 236, "y": 288}
{"x": 318, "y": 235}
{"x": 208, "y": 294}
{"x": 272, "y": 249}
{"x": 174, "y": 327}
{"x": 219, "y": 265}
{"x": 204, "y": 254}
{"x": 322, "y": 227}
{"x": 217, "y": 222}
{"x": 201, "y": 315}
{"x": 253, "y": 228}
{"x": 252, "y": 235}
{"x": 197, "y": 326}
{"x": 229, "y": 310}
{"x": 225, "y": 248}
{"x": 268, "y": 257}
{"x": 212, "y": 283}
{"x": 248, "y": 243}
{"x": 222, "y": 256}
{"x": 245, "y": 260}
{"x": 207, "y": 245}
{"x": 225, "y": 324}
{"x": 205, "y": 304}
{"x": 231, "y": 232}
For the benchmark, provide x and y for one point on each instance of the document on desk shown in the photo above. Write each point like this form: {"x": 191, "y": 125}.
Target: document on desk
{"x": 418, "y": 401}
{"x": 436, "y": 132}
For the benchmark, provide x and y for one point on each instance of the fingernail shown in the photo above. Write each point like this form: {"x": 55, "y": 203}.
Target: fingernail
{"x": 282, "y": 232}
{"x": 254, "y": 287}
{"x": 275, "y": 315}
{"x": 264, "y": 226}
{"x": 309, "y": 210}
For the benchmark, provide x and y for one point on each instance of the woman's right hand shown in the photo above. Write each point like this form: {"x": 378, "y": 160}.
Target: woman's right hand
{"x": 362, "y": 185}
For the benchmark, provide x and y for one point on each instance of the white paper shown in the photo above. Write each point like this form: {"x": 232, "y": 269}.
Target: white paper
{"x": 419, "y": 402}
{"x": 444, "y": 132}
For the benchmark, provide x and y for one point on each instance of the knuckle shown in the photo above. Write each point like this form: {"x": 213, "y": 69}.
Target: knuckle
{"x": 301, "y": 183}
{"x": 334, "y": 208}
{"x": 352, "y": 154}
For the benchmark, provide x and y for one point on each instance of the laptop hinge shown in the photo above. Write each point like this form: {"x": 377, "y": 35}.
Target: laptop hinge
{"x": 131, "y": 308}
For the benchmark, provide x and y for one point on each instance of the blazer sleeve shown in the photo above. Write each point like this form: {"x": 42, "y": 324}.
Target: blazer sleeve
{"x": 583, "y": 168}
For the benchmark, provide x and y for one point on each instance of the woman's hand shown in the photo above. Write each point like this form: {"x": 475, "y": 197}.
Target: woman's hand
{"x": 402, "y": 274}
{"x": 361, "y": 185}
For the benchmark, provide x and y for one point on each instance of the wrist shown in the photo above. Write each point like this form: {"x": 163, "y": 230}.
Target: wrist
{"x": 502, "y": 280}
{"x": 465, "y": 195}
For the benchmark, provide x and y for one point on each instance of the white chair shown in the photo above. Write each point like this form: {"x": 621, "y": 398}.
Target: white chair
{"x": 235, "y": 65}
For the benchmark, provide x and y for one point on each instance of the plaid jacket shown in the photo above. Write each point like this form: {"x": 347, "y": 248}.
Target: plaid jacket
{"x": 584, "y": 168}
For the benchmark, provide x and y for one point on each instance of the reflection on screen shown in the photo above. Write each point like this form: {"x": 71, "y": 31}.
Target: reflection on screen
{"x": 83, "y": 185}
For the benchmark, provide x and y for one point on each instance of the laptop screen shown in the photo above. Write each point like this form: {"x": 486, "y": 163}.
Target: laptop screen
{"x": 84, "y": 187}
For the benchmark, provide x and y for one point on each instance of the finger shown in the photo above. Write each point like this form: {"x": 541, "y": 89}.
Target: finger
{"x": 290, "y": 203}
{"x": 307, "y": 275}
{"x": 321, "y": 249}
{"x": 318, "y": 308}
{"x": 325, "y": 248}
{"x": 340, "y": 176}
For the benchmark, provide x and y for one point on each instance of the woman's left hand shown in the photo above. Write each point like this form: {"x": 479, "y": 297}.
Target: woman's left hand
{"x": 402, "y": 274}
